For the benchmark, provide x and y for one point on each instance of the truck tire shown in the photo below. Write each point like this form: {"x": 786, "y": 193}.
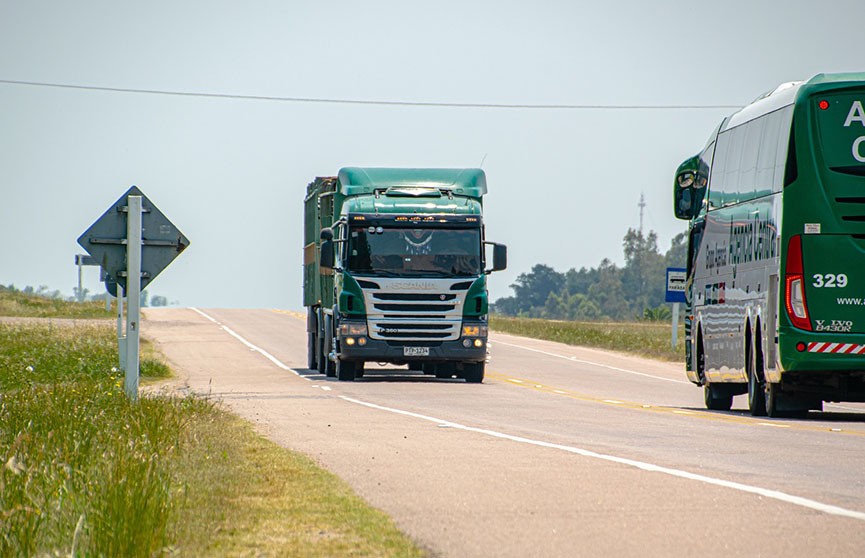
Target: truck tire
{"x": 346, "y": 370}
{"x": 474, "y": 372}
{"x": 312, "y": 351}
{"x": 327, "y": 346}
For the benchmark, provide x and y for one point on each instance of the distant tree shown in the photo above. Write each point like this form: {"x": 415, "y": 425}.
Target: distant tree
{"x": 642, "y": 276}
{"x": 532, "y": 289}
{"x": 507, "y": 306}
{"x": 608, "y": 292}
{"x": 158, "y": 300}
{"x": 578, "y": 282}
{"x": 677, "y": 255}
{"x": 143, "y": 299}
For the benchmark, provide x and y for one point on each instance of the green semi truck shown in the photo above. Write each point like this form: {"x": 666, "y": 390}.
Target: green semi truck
{"x": 395, "y": 271}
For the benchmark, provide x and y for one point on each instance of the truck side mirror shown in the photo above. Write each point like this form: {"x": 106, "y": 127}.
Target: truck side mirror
{"x": 325, "y": 259}
{"x": 500, "y": 257}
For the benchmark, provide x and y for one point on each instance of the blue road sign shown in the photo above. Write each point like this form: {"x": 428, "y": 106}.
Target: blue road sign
{"x": 676, "y": 283}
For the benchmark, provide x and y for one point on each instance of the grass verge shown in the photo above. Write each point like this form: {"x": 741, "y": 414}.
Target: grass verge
{"x": 17, "y": 303}
{"x": 85, "y": 471}
{"x": 647, "y": 339}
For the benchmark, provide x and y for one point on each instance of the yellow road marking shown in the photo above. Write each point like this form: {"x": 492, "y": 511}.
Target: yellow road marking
{"x": 703, "y": 415}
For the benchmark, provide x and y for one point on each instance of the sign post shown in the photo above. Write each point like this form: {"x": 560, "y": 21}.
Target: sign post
{"x": 81, "y": 260}
{"x": 133, "y": 242}
{"x": 133, "y": 293}
{"x": 676, "y": 285}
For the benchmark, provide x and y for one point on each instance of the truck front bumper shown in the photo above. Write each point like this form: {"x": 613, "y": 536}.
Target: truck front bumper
{"x": 376, "y": 350}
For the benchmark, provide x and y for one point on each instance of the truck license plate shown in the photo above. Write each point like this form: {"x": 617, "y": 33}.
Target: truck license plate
{"x": 415, "y": 351}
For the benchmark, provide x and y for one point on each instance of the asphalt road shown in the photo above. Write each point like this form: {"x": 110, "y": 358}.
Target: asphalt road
{"x": 561, "y": 451}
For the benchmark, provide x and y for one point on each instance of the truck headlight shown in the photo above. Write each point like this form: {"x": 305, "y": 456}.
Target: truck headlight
{"x": 352, "y": 329}
{"x": 474, "y": 330}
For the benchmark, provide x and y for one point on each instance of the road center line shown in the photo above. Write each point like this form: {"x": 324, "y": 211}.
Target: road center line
{"x": 575, "y": 359}
{"x": 264, "y": 353}
{"x": 765, "y": 492}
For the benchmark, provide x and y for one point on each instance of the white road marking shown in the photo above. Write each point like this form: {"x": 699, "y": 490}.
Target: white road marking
{"x": 765, "y": 492}
{"x": 613, "y": 401}
{"x": 252, "y": 347}
{"x": 575, "y": 359}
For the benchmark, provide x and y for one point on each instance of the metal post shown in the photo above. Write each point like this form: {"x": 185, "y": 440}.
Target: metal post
{"x": 133, "y": 290}
{"x": 675, "y": 334}
{"x": 80, "y": 293}
{"x": 121, "y": 334}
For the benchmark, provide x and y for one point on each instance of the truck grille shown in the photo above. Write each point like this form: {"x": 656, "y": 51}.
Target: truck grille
{"x": 402, "y": 309}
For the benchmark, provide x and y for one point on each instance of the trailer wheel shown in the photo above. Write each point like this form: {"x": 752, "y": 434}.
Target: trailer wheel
{"x": 474, "y": 372}
{"x": 312, "y": 351}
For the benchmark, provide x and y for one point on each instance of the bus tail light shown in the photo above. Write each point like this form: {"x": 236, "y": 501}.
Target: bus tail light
{"x": 797, "y": 308}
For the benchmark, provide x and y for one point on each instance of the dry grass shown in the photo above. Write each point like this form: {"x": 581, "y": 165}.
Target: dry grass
{"x": 647, "y": 339}
{"x": 85, "y": 471}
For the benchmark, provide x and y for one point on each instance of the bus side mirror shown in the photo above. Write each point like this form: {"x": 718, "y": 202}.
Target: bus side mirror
{"x": 500, "y": 257}
{"x": 683, "y": 202}
{"x": 325, "y": 259}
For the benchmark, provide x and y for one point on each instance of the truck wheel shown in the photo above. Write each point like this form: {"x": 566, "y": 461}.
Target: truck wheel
{"x": 428, "y": 368}
{"x": 416, "y": 366}
{"x": 473, "y": 372}
{"x": 358, "y": 371}
{"x": 345, "y": 370}
{"x": 327, "y": 347}
{"x": 717, "y": 400}
{"x": 319, "y": 355}
{"x": 312, "y": 351}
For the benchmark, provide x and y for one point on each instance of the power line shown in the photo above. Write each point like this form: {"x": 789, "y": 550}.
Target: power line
{"x": 365, "y": 102}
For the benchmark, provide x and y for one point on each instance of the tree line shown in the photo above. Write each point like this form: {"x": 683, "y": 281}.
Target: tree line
{"x": 44, "y": 292}
{"x": 606, "y": 292}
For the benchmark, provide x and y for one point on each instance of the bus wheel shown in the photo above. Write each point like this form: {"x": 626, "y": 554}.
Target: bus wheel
{"x": 716, "y": 399}
{"x": 773, "y": 400}
{"x": 754, "y": 364}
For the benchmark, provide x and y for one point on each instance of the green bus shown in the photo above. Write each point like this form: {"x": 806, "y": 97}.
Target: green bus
{"x": 776, "y": 250}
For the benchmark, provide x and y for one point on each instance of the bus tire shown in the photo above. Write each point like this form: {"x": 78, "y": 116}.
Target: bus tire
{"x": 773, "y": 400}
{"x": 754, "y": 367}
{"x": 717, "y": 399}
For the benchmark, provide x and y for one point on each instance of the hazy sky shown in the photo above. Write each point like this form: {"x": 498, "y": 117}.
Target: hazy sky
{"x": 231, "y": 173}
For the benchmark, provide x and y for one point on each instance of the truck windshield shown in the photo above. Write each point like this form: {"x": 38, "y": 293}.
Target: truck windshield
{"x": 419, "y": 251}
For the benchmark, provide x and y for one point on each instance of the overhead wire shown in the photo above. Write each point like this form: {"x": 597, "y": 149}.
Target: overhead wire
{"x": 373, "y": 102}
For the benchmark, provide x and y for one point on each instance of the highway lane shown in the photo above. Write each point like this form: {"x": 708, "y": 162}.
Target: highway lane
{"x": 548, "y": 456}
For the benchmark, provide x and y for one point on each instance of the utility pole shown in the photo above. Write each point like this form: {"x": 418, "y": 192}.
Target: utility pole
{"x": 642, "y": 206}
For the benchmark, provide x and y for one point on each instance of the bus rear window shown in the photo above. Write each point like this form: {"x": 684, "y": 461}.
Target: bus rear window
{"x": 841, "y": 125}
